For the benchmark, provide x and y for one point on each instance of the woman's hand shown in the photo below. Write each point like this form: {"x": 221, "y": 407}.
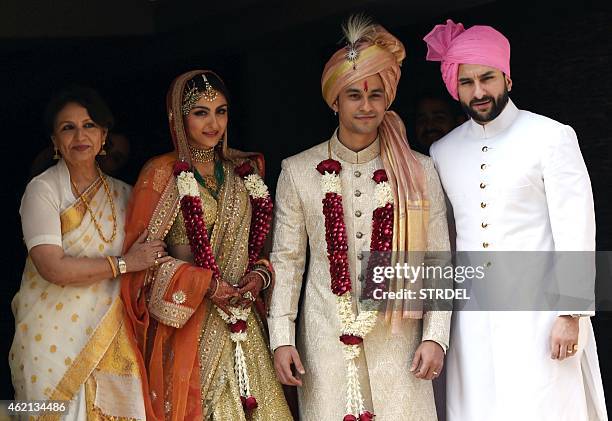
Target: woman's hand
{"x": 250, "y": 287}
{"x": 142, "y": 255}
{"x": 222, "y": 294}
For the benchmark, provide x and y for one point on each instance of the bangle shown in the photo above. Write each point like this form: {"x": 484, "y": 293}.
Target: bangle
{"x": 262, "y": 276}
{"x": 215, "y": 286}
{"x": 112, "y": 265}
{"x": 265, "y": 274}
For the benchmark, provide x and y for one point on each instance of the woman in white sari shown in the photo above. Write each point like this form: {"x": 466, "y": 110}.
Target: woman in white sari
{"x": 70, "y": 341}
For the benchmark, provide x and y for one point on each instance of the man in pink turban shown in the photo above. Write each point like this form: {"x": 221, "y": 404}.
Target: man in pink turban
{"x": 516, "y": 181}
{"x": 353, "y": 361}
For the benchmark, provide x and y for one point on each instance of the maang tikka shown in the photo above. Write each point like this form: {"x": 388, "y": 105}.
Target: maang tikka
{"x": 193, "y": 95}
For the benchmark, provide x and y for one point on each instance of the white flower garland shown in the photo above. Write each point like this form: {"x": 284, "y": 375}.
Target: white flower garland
{"x": 383, "y": 194}
{"x": 330, "y": 183}
{"x": 256, "y": 186}
{"x": 240, "y": 366}
{"x": 187, "y": 184}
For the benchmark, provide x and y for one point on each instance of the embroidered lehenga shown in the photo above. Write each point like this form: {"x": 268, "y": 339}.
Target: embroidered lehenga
{"x": 186, "y": 347}
{"x": 71, "y": 343}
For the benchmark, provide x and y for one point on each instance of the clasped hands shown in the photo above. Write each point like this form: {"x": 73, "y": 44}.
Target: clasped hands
{"x": 247, "y": 291}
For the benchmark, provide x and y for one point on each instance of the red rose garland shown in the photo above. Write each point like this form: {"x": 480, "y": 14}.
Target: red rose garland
{"x": 354, "y": 328}
{"x": 191, "y": 208}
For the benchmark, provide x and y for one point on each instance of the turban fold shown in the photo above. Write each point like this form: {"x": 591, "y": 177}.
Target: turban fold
{"x": 379, "y": 52}
{"x": 453, "y": 45}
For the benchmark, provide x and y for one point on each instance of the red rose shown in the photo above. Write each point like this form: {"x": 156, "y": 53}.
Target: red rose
{"x": 244, "y": 169}
{"x": 329, "y": 166}
{"x": 239, "y": 326}
{"x": 249, "y": 403}
{"x": 366, "y": 416}
{"x": 349, "y": 417}
{"x": 180, "y": 166}
{"x": 380, "y": 176}
{"x": 351, "y": 339}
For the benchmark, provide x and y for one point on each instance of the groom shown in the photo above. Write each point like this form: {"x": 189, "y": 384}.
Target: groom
{"x": 382, "y": 364}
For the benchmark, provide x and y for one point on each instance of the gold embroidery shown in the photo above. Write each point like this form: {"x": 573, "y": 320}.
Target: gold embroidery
{"x": 168, "y": 313}
{"x": 160, "y": 178}
{"x": 177, "y": 235}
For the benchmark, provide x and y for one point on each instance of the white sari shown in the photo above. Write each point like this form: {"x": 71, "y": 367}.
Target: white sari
{"x": 70, "y": 343}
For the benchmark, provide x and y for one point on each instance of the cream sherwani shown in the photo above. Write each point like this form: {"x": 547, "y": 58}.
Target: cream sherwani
{"x": 518, "y": 183}
{"x": 389, "y": 388}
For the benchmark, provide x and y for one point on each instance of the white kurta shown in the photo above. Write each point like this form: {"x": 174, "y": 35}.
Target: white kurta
{"x": 518, "y": 183}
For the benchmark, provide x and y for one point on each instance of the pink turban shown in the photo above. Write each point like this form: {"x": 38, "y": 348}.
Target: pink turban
{"x": 453, "y": 45}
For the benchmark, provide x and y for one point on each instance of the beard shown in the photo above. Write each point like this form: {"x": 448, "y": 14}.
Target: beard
{"x": 497, "y": 106}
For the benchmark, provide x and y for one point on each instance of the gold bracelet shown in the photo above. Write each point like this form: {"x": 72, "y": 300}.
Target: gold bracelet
{"x": 112, "y": 265}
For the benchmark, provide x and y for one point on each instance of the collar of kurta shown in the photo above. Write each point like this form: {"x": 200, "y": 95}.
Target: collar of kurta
{"x": 345, "y": 154}
{"x": 495, "y": 127}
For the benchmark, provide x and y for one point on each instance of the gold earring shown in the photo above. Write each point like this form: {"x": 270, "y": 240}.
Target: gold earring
{"x": 102, "y": 151}
{"x": 56, "y": 156}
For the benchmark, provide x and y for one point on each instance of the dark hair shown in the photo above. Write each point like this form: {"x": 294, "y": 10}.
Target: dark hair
{"x": 214, "y": 81}
{"x": 84, "y": 96}
{"x": 438, "y": 95}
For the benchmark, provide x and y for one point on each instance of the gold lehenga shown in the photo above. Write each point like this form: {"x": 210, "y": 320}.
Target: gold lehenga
{"x": 186, "y": 349}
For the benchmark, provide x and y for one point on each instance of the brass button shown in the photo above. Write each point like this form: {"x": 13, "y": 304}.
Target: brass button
{"x": 483, "y": 185}
{"x": 484, "y": 225}
{"x": 360, "y": 256}
{"x": 357, "y": 193}
{"x": 359, "y": 234}
{"x": 360, "y": 277}
{"x": 357, "y": 173}
{"x": 483, "y": 166}
{"x": 357, "y": 214}
{"x": 485, "y": 245}
{"x": 485, "y": 148}
{"x": 483, "y": 205}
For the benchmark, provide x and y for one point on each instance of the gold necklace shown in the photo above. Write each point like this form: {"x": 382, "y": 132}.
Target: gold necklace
{"x": 91, "y": 212}
{"x": 202, "y": 155}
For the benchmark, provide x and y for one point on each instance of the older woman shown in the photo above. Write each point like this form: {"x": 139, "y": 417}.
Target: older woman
{"x": 70, "y": 340}
{"x": 195, "y": 317}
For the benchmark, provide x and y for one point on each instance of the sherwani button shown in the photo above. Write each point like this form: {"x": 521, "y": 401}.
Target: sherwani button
{"x": 483, "y": 166}
{"x": 357, "y": 193}
{"x": 484, "y": 225}
{"x": 485, "y": 148}
{"x": 357, "y": 214}
{"x": 357, "y": 173}
{"x": 360, "y": 256}
{"x": 483, "y": 205}
{"x": 359, "y": 234}
{"x": 483, "y": 185}
{"x": 485, "y": 245}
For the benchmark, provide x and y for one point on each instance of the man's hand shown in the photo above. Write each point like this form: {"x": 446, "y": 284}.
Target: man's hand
{"x": 563, "y": 337}
{"x": 428, "y": 361}
{"x": 284, "y": 356}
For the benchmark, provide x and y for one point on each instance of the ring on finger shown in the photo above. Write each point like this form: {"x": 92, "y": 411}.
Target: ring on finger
{"x": 435, "y": 373}
{"x": 249, "y": 296}
{"x": 156, "y": 262}
{"x": 159, "y": 254}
